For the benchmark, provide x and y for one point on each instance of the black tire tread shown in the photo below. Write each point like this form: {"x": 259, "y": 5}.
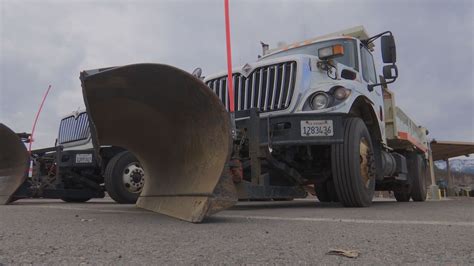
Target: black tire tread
{"x": 326, "y": 192}
{"x": 110, "y": 185}
{"x": 322, "y": 193}
{"x": 343, "y": 166}
{"x": 417, "y": 171}
{"x": 402, "y": 196}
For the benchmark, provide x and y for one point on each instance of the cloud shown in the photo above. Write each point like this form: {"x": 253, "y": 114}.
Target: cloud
{"x": 50, "y": 42}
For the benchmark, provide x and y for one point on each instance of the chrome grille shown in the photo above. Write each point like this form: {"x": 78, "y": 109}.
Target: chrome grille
{"x": 269, "y": 88}
{"x": 74, "y": 128}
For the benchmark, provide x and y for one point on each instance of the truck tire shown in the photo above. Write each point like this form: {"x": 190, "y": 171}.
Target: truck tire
{"x": 416, "y": 173}
{"x": 326, "y": 192}
{"x": 353, "y": 165}
{"x": 402, "y": 196}
{"x": 74, "y": 200}
{"x": 124, "y": 178}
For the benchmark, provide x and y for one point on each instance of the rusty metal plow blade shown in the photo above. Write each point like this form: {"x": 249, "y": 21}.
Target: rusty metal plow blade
{"x": 13, "y": 163}
{"x": 175, "y": 125}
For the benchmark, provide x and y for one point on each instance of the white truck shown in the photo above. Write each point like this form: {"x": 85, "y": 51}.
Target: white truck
{"x": 326, "y": 118}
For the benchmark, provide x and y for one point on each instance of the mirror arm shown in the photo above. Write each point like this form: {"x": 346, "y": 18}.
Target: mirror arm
{"x": 370, "y": 87}
{"x": 375, "y": 37}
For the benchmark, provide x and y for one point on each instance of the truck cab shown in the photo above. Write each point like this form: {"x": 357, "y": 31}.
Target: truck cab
{"x": 293, "y": 79}
{"x": 347, "y": 81}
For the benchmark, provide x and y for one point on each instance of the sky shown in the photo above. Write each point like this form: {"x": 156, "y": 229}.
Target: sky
{"x": 50, "y": 42}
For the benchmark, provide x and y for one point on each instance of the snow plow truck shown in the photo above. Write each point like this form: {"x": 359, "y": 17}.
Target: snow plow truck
{"x": 309, "y": 114}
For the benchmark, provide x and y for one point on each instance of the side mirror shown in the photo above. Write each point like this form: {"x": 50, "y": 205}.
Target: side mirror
{"x": 389, "y": 56}
{"x": 389, "y": 51}
{"x": 390, "y": 72}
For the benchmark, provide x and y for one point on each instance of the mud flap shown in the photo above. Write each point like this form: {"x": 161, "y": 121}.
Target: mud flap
{"x": 177, "y": 128}
{"x": 13, "y": 163}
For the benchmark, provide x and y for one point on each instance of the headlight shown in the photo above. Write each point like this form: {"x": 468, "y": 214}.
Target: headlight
{"x": 341, "y": 93}
{"x": 320, "y": 100}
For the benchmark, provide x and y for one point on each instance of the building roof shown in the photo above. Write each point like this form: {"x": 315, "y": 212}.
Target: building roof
{"x": 443, "y": 150}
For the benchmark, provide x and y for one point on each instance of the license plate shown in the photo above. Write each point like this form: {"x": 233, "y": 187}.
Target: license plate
{"x": 83, "y": 158}
{"x": 317, "y": 128}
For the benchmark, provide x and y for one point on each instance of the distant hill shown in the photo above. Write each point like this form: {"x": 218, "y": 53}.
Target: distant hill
{"x": 462, "y": 171}
{"x": 458, "y": 165}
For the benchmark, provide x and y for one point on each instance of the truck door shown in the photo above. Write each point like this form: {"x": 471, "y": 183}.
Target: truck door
{"x": 370, "y": 77}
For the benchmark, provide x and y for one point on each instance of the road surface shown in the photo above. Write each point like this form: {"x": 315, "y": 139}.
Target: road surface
{"x": 302, "y": 231}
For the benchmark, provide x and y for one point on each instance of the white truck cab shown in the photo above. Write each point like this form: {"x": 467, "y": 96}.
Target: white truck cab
{"x": 302, "y": 84}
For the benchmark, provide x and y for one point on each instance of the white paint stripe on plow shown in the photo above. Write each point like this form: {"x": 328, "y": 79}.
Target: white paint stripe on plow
{"x": 345, "y": 220}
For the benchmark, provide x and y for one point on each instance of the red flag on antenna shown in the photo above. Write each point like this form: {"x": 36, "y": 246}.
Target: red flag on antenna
{"x": 230, "y": 85}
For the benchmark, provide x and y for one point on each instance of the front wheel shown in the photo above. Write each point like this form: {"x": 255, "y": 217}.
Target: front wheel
{"x": 124, "y": 178}
{"x": 353, "y": 165}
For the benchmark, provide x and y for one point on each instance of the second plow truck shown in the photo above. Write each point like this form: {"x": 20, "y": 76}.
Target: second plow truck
{"x": 310, "y": 114}
{"x": 70, "y": 170}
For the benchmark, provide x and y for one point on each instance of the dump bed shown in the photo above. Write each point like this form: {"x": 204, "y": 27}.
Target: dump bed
{"x": 400, "y": 130}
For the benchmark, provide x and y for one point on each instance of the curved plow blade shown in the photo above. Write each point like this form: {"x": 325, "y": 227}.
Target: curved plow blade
{"x": 13, "y": 163}
{"x": 175, "y": 125}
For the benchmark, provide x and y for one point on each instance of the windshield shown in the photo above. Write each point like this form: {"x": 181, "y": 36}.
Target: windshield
{"x": 349, "y": 58}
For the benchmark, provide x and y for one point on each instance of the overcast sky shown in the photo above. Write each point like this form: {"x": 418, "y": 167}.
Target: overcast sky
{"x": 50, "y": 42}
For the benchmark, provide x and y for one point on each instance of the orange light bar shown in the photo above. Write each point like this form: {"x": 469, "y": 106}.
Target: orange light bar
{"x": 331, "y": 52}
{"x": 338, "y": 49}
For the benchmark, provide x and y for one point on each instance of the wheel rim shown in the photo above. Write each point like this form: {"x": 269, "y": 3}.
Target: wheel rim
{"x": 366, "y": 162}
{"x": 133, "y": 178}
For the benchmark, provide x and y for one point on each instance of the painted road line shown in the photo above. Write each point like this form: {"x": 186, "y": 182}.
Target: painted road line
{"x": 345, "y": 220}
{"x": 276, "y": 218}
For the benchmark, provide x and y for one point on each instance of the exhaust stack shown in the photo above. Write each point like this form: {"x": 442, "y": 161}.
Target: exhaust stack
{"x": 13, "y": 163}
{"x": 175, "y": 125}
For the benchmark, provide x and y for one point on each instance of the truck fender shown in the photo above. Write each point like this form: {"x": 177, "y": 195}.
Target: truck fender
{"x": 363, "y": 108}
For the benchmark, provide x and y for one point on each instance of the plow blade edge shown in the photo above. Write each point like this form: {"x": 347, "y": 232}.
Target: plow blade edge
{"x": 13, "y": 163}
{"x": 176, "y": 127}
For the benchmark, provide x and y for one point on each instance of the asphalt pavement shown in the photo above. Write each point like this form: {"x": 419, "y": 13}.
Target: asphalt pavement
{"x": 296, "y": 232}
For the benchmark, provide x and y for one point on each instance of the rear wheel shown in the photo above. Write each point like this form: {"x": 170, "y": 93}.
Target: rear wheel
{"x": 326, "y": 192}
{"x": 353, "y": 165}
{"x": 402, "y": 196}
{"x": 124, "y": 178}
{"x": 416, "y": 173}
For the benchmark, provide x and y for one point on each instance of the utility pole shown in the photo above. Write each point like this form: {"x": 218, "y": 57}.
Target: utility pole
{"x": 434, "y": 189}
{"x": 449, "y": 190}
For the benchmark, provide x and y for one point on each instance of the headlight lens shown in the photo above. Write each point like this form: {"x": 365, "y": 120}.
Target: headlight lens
{"x": 341, "y": 93}
{"x": 319, "y": 101}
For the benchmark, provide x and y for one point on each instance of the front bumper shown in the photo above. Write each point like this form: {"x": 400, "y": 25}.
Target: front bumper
{"x": 286, "y": 130}
{"x": 77, "y": 158}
